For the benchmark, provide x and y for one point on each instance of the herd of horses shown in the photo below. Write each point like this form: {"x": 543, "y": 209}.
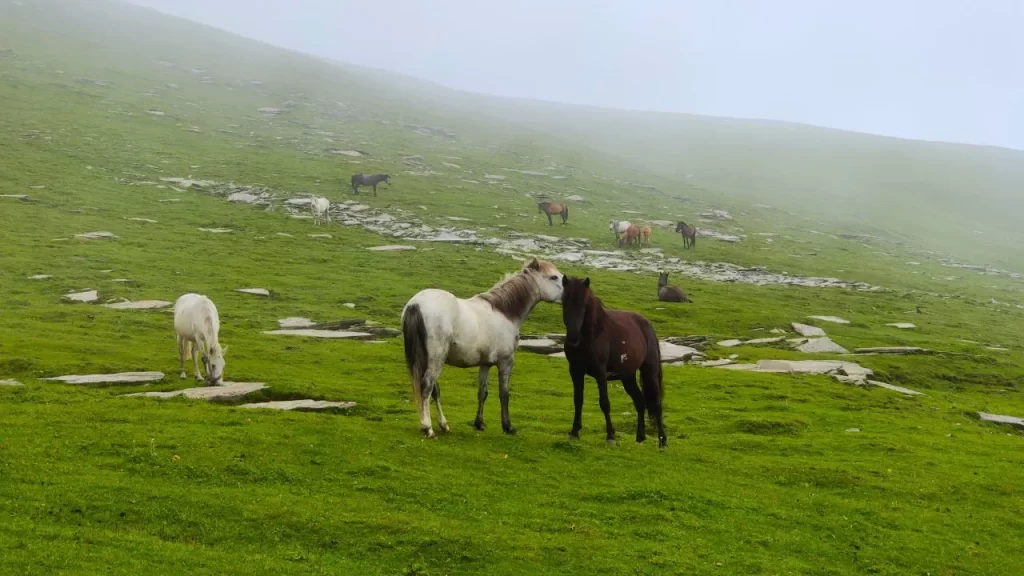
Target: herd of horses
{"x": 629, "y": 235}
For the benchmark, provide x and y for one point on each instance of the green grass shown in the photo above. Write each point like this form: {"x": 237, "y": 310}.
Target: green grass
{"x": 760, "y": 476}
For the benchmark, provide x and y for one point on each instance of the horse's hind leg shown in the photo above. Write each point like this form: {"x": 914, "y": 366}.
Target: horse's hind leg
{"x": 481, "y": 397}
{"x": 195, "y": 359}
{"x": 182, "y": 354}
{"x": 504, "y": 375}
{"x": 374, "y": 189}
{"x": 442, "y": 422}
{"x": 550, "y": 223}
{"x": 650, "y": 379}
{"x": 430, "y": 377}
{"x": 629, "y": 383}
{"x": 606, "y": 406}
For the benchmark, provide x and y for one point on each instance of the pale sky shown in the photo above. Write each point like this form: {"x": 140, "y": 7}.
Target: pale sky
{"x": 944, "y": 70}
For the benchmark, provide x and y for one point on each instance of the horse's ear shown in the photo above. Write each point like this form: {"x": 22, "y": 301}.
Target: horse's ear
{"x": 224, "y": 351}
{"x": 533, "y": 264}
{"x": 586, "y": 282}
{"x": 565, "y": 281}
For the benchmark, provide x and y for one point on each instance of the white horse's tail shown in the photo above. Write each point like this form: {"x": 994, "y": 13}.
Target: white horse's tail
{"x": 414, "y": 333}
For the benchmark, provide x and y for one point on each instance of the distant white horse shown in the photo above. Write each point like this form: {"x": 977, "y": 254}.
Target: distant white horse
{"x": 321, "y": 210}
{"x": 439, "y": 328}
{"x": 197, "y": 324}
{"x": 619, "y": 227}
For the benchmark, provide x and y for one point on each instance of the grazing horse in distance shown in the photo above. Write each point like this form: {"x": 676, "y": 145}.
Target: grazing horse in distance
{"x": 321, "y": 208}
{"x": 611, "y": 345}
{"x": 197, "y": 325}
{"x": 619, "y": 227}
{"x": 645, "y": 235}
{"x": 438, "y": 328}
{"x": 668, "y": 293}
{"x": 689, "y": 234}
{"x": 554, "y": 208}
{"x": 371, "y": 180}
{"x": 631, "y": 237}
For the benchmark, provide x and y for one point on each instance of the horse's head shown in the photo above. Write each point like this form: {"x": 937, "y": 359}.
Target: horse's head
{"x": 662, "y": 279}
{"x": 547, "y": 278}
{"x": 681, "y": 226}
{"x": 575, "y": 292}
{"x": 387, "y": 178}
{"x": 612, "y": 225}
{"x": 541, "y": 206}
{"x": 213, "y": 361}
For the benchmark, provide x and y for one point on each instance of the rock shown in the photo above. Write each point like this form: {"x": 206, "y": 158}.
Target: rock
{"x": 716, "y": 215}
{"x": 226, "y": 391}
{"x": 808, "y": 331}
{"x": 557, "y": 355}
{"x": 311, "y": 333}
{"x": 254, "y": 291}
{"x": 716, "y": 363}
{"x": 139, "y": 305}
{"x": 87, "y": 296}
{"x": 575, "y": 198}
{"x": 216, "y": 230}
{"x": 270, "y": 110}
{"x": 902, "y": 325}
{"x": 319, "y": 235}
{"x": 674, "y": 353}
{"x": 349, "y": 305}
{"x": 352, "y": 153}
{"x": 392, "y": 248}
{"x": 301, "y": 405}
{"x": 295, "y": 322}
{"x": 855, "y": 371}
{"x": 822, "y": 346}
{"x": 730, "y": 343}
{"x": 777, "y": 331}
{"x": 852, "y": 430}
{"x": 496, "y": 177}
{"x": 893, "y": 350}
{"x": 1000, "y": 419}
{"x": 833, "y": 319}
{"x": 40, "y": 277}
{"x": 743, "y": 367}
{"x": 10, "y": 382}
{"x": 146, "y": 220}
{"x": 758, "y": 341}
{"x": 567, "y": 256}
{"x": 21, "y": 197}
{"x": 849, "y": 380}
{"x": 540, "y": 346}
{"x": 526, "y": 244}
{"x": 155, "y": 113}
{"x": 120, "y": 280}
{"x": 120, "y": 378}
{"x": 244, "y": 198}
{"x": 899, "y": 389}
{"x": 96, "y": 235}
{"x": 298, "y": 202}
{"x": 801, "y": 366}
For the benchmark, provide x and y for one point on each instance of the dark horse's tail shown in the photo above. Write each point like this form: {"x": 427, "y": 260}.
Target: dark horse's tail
{"x": 414, "y": 333}
{"x": 654, "y": 353}
{"x": 565, "y": 212}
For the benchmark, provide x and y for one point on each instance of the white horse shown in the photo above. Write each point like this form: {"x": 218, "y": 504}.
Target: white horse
{"x": 197, "y": 324}
{"x": 439, "y": 328}
{"x": 321, "y": 209}
{"x": 619, "y": 227}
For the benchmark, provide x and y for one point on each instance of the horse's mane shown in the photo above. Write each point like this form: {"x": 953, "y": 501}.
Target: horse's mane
{"x": 513, "y": 296}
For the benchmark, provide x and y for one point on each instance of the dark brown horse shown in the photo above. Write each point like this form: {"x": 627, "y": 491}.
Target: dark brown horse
{"x": 554, "y": 208}
{"x": 611, "y": 345}
{"x": 689, "y": 234}
{"x": 668, "y": 293}
{"x": 371, "y": 180}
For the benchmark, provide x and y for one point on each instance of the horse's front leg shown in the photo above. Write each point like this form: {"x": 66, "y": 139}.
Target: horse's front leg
{"x": 577, "y": 397}
{"x": 195, "y": 360}
{"x": 504, "y": 374}
{"x": 374, "y": 189}
{"x": 182, "y": 354}
{"x": 481, "y": 397}
{"x": 549, "y": 220}
{"x": 606, "y": 406}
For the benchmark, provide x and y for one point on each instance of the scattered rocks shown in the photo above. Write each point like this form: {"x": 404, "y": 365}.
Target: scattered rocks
{"x": 10, "y": 382}
{"x": 392, "y": 248}
{"x": 119, "y": 378}
{"x": 1001, "y": 419}
{"x": 87, "y": 296}
{"x": 226, "y": 391}
{"x": 244, "y": 198}
{"x": 716, "y": 215}
{"x": 139, "y": 305}
{"x": 675, "y": 353}
{"x": 833, "y": 319}
{"x": 96, "y": 235}
{"x": 295, "y": 322}
{"x": 716, "y": 363}
{"x": 808, "y": 331}
{"x": 301, "y": 405}
{"x": 758, "y": 341}
{"x": 730, "y": 343}
{"x": 254, "y": 291}
{"x": 902, "y": 325}
{"x": 893, "y": 350}
{"x": 822, "y": 346}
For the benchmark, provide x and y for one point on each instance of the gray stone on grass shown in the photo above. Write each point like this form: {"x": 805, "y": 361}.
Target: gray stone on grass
{"x": 900, "y": 389}
{"x": 801, "y": 366}
{"x": 1001, "y": 419}
{"x": 676, "y": 353}
{"x": 312, "y": 333}
{"x": 10, "y": 382}
{"x": 14, "y": 196}
{"x": 902, "y": 325}
{"x": 833, "y": 319}
{"x": 893, "y": 350}
{"x": 319, "y": 235}
{"x": 87, "y": 296}
{"x": 216, "y": 230}
{"x": 119, "y": 378}
{"x": 807, "y": 330}
{"x": 716, "y": 363}
{"x": 352, "y": 153}
{"x": 391, "y": 248}
{"x": 306, "y": 405}
{"x": 145, "y": 220}
{"x": 540, "y": 345}
{"x": 295, "y": 322}
{"x": 98, "y": 235}
{"x": 730, "y": 343}
{"x": 758, "y": 341}
{"x": 226, "y": 391}
{"x": 254, "y": 291}
{"x": 821, "y": 346}
{"x": 138, "y": 304}
{"x": 40, "y": 277}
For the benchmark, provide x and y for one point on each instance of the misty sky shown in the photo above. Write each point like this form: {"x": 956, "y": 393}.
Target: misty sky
{"x": 937, "y": 70}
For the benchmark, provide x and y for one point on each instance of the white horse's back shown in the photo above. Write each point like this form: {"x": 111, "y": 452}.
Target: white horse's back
{"x": 321, "y": 209}
{"x": 195, "y": 316}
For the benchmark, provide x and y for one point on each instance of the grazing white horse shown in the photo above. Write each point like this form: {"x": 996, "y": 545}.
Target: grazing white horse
{"x": 619, "y": 227}
{"x": 197, "y": 324}
{"x": 439, "y": 328}
{"x": 321, "y": 209}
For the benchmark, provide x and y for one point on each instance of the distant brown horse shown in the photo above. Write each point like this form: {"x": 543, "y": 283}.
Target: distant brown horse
{"x": 689, "y": 234}
{"x": 668, "y": 293}
{"x": 611, "y": 345}
{"x": 554, "y": 208}
{"x": 645, "y": 235}
{"x": 631, "y": 237}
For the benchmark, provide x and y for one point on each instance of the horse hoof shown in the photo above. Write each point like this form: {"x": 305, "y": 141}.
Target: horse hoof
{"x": 574, "y": 435}
{"x": 479, "y": 425}
{"x": 611, "y": 441}
{"x": 183, "y": 375}
{"x": 510, "y": 431}
{"x": 429, "y": 433}
{"x": 444, "y": 427}
{"x": 662, "y": 443}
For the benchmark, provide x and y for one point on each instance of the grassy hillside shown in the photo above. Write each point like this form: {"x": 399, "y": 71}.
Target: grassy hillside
{"x": 764, "y": 473}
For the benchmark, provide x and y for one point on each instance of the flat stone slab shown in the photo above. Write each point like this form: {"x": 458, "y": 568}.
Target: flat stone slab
{"x": 146, "y": 220}
{"x": 311, "y": 333}
{"x": 803, "y": 366}
{"x": 808, "y": 331}
{"x": 1001, "y": 419}
{"x": 730, "y": 343}
{"x": 899, "y": 389}
{"x": 319, "y": 235}
{"x": 352, "y": 153}
{"x": 87, "y": 296}
{"x": 301, "y": 405}
{"x": 139, "y": 305}
{"x": 893, "y": 350}
{"x": 757, "y": 341}
{"x": 902, "y": 325}
{"x": 716, "y": 363}
{"x": 96, "y": 235}
{"x": 254, "y": 291}
{"x": 295, "y": 322}
{"x": 391, "y": 248}
{"x": 821, "y": 346}
{"x": 119, "y": 378}
{"x": 557, "y": 355}
{"x": 14, "y": 196}
{"x": 216, "y": 230}
{"x": 40, "y": 277}
{"x": 833, "y": 319}
{"x": 226, "y": 391}
{"x": 10, "y": 382}
{"x": 540, "y": 345}
{"x": 674, "y": 352}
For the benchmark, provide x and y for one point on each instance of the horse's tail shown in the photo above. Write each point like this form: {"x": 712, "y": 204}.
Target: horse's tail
{"x": 414, "y": 333}
{"x": 565, "y": 211}
{"x": 654, "y": 352}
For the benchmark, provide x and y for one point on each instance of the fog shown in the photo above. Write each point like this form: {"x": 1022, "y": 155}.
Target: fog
{"x": 935, "y": 70}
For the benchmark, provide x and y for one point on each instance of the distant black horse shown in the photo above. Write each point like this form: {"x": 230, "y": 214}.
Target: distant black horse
{"x": 371, "y": 180}
{"x": 689, "y": 233}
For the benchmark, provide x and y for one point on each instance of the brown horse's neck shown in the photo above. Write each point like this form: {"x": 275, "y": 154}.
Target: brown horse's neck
{"x": 594, "y": 315}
